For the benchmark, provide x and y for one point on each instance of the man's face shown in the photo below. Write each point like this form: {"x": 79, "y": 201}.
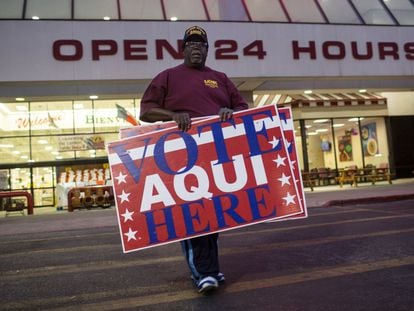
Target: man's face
{"x": 195, "y": 53}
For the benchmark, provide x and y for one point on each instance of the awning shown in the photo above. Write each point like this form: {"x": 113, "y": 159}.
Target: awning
{"x": 320, "y": 99}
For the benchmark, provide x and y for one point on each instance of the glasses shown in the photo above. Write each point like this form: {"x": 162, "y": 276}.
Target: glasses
{"x": 198, "y": 44}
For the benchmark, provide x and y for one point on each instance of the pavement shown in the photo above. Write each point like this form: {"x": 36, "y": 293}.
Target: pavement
{"x": 323, "y": 196}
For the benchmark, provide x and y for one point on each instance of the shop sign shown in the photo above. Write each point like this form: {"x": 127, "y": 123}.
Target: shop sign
{"x": 172, "y": 185}
{"x": 46, "y": 120}
{"x": 81, "y": 142}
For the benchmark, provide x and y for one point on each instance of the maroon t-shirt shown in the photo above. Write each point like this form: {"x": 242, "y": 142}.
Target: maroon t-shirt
{"x": 200, "y": 92}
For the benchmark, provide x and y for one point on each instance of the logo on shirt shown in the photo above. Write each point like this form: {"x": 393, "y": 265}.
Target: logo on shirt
{"x": 211, "y": 83}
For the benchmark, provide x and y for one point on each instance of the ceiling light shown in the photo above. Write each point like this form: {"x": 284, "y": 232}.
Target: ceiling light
{"x": 6, "y": 146}
{"x": 338, "y": 125}
{"x": 107, "y": 18}
{"x": 355, "y": 119}
{"x": 321, "y": 121}
{"x": 321, "y": 130}
{"x": 362, "y": 91}
{"x": 35, "y": 18}
{"x": 21, "y": 108}
{"x": 174, "y": 18}
{"x": 19, "y": 99}
{"x": 312, "y": 133}
{"x": 308, "y": 92}
{"x": 93, "y": 97}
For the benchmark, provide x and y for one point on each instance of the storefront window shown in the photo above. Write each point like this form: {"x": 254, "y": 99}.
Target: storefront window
{"x": 185, "y": 9}
{"x": 15, "y": 150}
{"x": 339, "y": 11}
{"x": 348, "y": 143}
{"x": 226, "y": 10}
{"x": 298, "y": 143}
{"x": 303, "y": 11}
{"x": 84, "y": 120}
{"x": 51, "y": 118}
{"x": 403, "y": 11}
{"x": 4, "y": 180}
{"x": 374, "y": 142}
{"x": 373, "y": 12}
{"x": 95, "y": 9}
{"x": 14, "y": 119}
{"x": 60, "y": 9}
{"x": 141, "y": 9}
{"x": 319, "y": 144}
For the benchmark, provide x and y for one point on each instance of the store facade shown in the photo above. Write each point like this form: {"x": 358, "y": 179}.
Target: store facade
{"x": 61, "y": 82}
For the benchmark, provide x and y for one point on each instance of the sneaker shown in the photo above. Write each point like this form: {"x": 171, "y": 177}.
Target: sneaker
{"x": 207, "y": 284}
{"x": 220, "y": 277}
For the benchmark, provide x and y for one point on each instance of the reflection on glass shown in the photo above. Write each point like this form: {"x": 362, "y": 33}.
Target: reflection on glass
{"x": 226, "y": 10}
{"x": 266, "y": 10}
{"x": 11, "y": 9}
{"x": 303, "y": 11}
{"x": 44, "y": 9}
{"x": 373, "y": 12}
{"x": 339, "y": 11}
{"x": 185, "y": 10}
{"x": 95, "y": 9}
{"x": 403, "y": 11}
{"x": 141, "y": 9}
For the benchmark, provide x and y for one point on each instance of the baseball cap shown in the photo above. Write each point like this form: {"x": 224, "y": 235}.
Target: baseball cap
{"x": 195, "y": 33}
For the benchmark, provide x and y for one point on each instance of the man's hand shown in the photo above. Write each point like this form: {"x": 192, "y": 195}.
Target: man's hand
{"x": 225, "y": 114}
{"x": 183, "y": 120}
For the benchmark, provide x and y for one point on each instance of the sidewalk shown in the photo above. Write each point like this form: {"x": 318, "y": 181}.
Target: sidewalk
{"x": 325, "y": 196}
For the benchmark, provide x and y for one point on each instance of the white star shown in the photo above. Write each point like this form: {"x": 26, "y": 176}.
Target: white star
{"x": 287, "y": 143}
{"x": 124, "y": 196}
{"x": 289, "y": 198}
{"x": 274, "y": 142}
{"x": 284, "y": 179}
{"x": 121, "y": 178}
{"x": 280, "y": 161}
{"x": 293, "y": 165}
{"x": 131, "y": 234}
{"x": 127, "y": 215}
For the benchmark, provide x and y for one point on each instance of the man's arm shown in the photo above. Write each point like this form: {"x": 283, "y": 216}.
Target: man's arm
{"x": 182, "y": 119}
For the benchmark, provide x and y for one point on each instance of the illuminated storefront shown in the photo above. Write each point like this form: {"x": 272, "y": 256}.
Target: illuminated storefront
{"x": 55, "y": 54}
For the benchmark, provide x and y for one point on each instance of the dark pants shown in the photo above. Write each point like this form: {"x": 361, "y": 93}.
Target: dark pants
{"x": 201, "y": 254}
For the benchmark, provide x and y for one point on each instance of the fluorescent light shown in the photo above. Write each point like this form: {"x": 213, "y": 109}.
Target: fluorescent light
{"x": 107, "y": 18}
{"x": 35, "y": 17}
{"x": 321, "y": 130}
{"x": 308, "y": 92}
{"x": 338, "y": 125}
{"x": 93, "y": 97}
{"x": 21, "y": 108}
{"x": 362, "y": 91}
{"x": 19, "y": 99}
{"x": 321, "y": 121}
{"x": 355, "y": 119}
{"x": 6, "y": 146}
{"x": 173, "y": 18}
{"x": 312, "y": 133}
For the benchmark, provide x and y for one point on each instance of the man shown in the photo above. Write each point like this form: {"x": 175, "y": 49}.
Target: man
{"x": 183, "y": 92}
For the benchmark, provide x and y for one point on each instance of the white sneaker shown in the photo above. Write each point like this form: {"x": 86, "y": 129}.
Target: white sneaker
{"x": 207, "y": 284}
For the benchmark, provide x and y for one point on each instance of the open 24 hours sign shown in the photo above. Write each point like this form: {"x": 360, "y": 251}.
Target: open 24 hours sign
{"x": 172, "y": 185}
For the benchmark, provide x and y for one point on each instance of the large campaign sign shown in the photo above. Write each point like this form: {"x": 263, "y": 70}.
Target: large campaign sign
{"x": 172, "y": 185}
